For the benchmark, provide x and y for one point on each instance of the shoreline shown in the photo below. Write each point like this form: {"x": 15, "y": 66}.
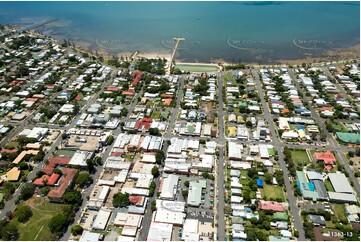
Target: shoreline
{"x": 341, "y": 55}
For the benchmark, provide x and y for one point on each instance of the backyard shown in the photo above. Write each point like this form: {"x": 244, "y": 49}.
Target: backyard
{"x": 300, "y": 157}
{"x": 272, "y": 192}
{"x": 36, "y": 228}
{"x": 340, "y": 211}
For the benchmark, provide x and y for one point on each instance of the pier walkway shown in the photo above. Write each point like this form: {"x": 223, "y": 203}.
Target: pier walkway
{"x": 177, "y": 40}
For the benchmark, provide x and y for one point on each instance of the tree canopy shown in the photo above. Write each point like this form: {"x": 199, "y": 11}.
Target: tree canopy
{"x": 24, "y": 213}
{"x": 121, "y": 200}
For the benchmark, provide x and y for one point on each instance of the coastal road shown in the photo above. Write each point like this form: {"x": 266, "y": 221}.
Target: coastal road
{"x": 292, "y": 201}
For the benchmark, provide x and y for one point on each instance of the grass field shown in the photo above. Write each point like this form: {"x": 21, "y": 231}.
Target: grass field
{"x": 300, "y": 157}
{"x": 340, "y": 211}
{"x": 197, "y": 68}
{"x": 11, "y": 145}
{"x": 155, "y": 115}
{"x": 272, "y": 192}
{"x": 328, "y": 186}
{"x": 36, "y": 228}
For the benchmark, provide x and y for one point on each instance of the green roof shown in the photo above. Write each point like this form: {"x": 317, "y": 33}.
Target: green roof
{"x": 195, "y": 192}
{"x": 243, "y": 104}
{"x": 348, "y": 137}
{"x": 119, "y": 98}
{"x": 304, "y": 188}
{"x": 278, "y": 238}
{"x": 280, "y": 216}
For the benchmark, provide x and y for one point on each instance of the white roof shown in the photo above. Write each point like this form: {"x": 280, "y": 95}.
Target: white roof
{"x": 160, "y": 232}
{"x": 235, "y": 150}
{"x": 170, "y": 212}
{"x": 104, "y": 193}
{"x": 169, "y": 187}
{"x": 126, "y": 219}
{"x": 340, "y": 183}
{"x": 101, "y": 221}
{"x": 89, "y": 236}
{"x": 80, "y": 157}
{"x": 190, "y": 230}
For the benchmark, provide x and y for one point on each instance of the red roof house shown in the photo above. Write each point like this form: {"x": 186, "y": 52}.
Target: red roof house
{"x": 47, "y": 180}
{"x": 167, "y": 102}
{"x": 112, "y": 89}
{"x": 274, "y": 206}
{"x": 327, "y": 157}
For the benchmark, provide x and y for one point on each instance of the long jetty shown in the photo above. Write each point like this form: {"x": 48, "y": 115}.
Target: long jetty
{"x": 177, "y": 40}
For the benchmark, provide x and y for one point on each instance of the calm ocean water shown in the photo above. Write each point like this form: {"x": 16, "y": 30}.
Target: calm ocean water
{"x": 234, "y": 31}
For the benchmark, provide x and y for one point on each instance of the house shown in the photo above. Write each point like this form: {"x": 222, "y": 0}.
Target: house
{"x": 327, "y": 158}
{"x": 13, "y": 174}
{"x": 317, "y": 220}
{"x": 274, "y": 206}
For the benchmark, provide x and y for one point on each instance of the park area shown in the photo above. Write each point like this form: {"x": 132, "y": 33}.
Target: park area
{"x": 300, "y": 157}
{"x": 36, "y": 228}
{"x": 197, "y": 67}
{"x": 270, "y": 192}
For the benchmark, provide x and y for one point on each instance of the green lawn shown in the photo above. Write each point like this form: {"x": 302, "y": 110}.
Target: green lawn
{"x": 300, "y": 157}
{"x": 36, "y": 228}
{"x": 11, "y": 145}
{"x": 155, "y": 115}
{"x": 328, "y": 185}
{"x": 340, "y": 211}
{"x": 197, "y": 68}
{"x": 272, "y": 192}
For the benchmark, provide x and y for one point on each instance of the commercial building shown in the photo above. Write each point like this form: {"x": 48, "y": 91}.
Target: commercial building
{"x": 195, "y": 192}
{"x": 160, "y": 232}
{"x": 169, "y": 187}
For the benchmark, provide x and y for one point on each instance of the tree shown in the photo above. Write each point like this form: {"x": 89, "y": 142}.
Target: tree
{"x": 186, "y": 183}
{"x": 10, "y": 232}
{"x": 121, "y": 200}
{"x": 268, "y": 178}
{"x": 58, "y": 171}
{"x": 58, "y": 223}
{"x": 110, "y": 139}
{"x": 45, "y": 190}
{"x": 76, "y": 229}
{"x": 72, "y": 197}
{"x": 153, "y": 206}
{"x": 64, "y": 136}
{"x": 27, "y": 191}
{"x": 155, "y": 171}
{"x": 39, "y": 174}
{"x": 185, "y": 193}
{"x": 249, "y": 124}
{"x": 351, "y": 153}
{"x": 82, "y": 179}
{"x": 24, "y": 213}
{"x": 159, "y": 156}
{"x": 152, "y": 187}
{"x": 154, "y": 131}
{"x": 23, "y": 166}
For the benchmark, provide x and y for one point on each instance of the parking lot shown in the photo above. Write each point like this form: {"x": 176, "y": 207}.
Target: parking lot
{"x": 203, "y": 215}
